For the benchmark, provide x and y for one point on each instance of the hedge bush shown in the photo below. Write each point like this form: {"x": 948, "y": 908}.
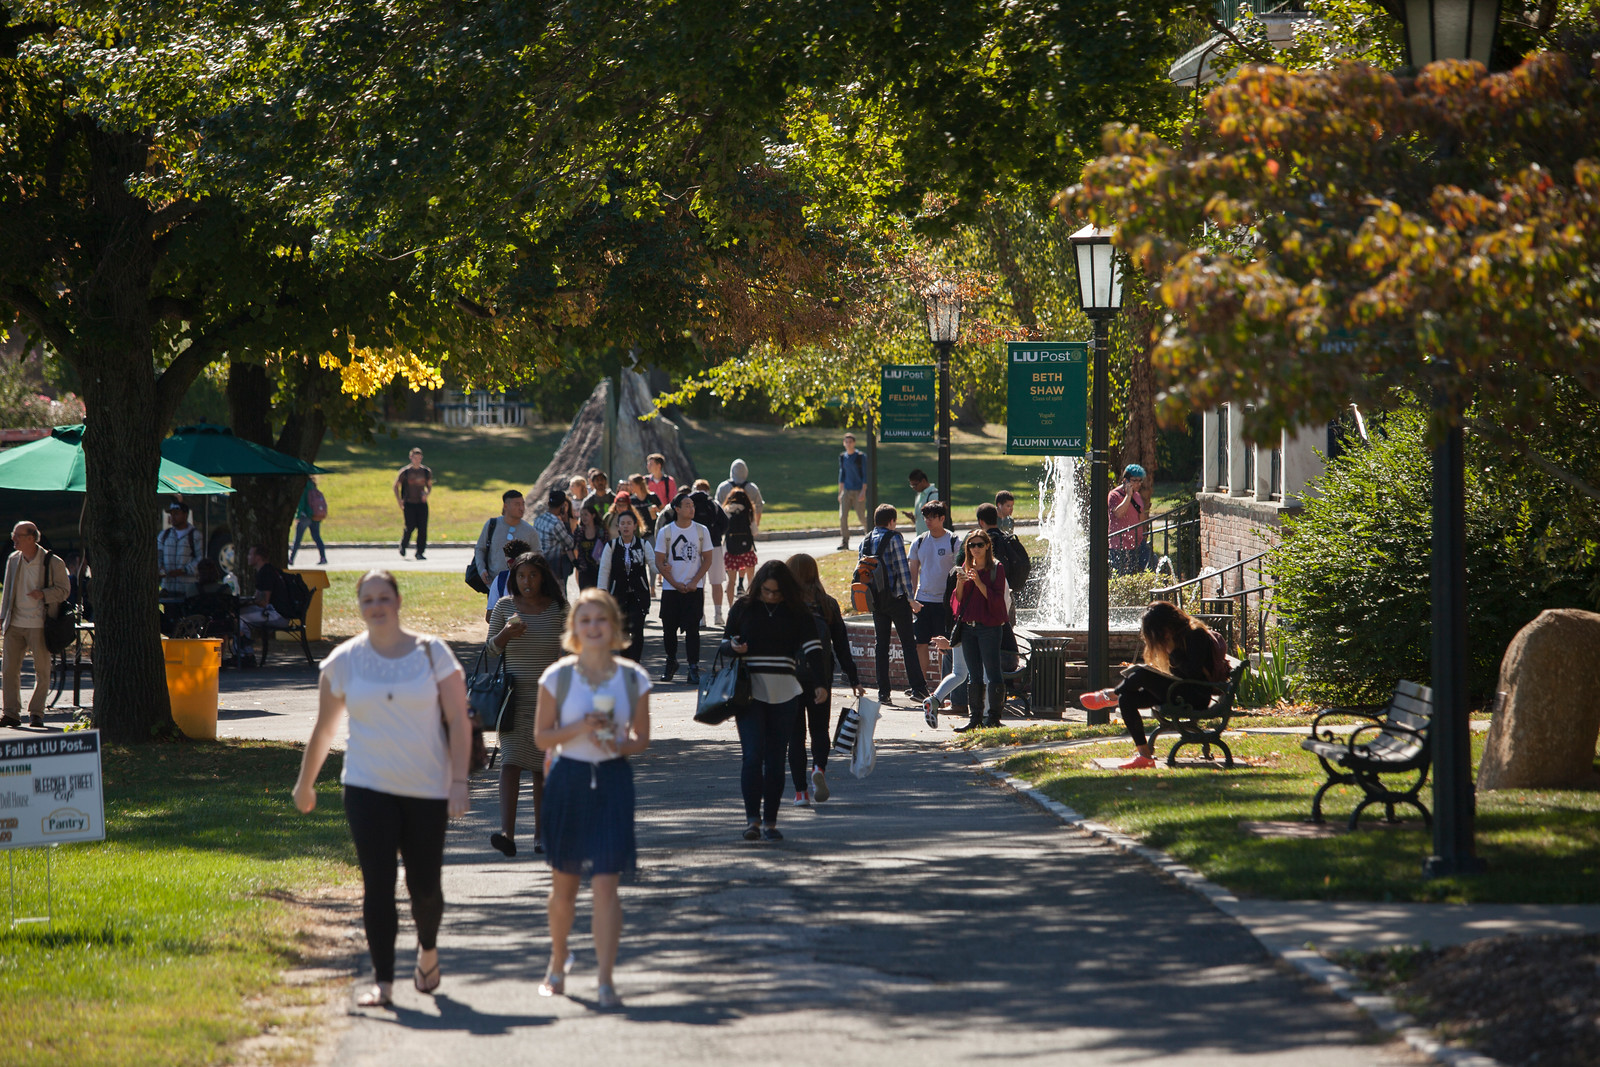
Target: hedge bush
{"x": 1352, "y": 572}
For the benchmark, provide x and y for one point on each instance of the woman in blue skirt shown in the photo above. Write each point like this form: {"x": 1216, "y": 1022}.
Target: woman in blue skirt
{"x": 593, "y": 713}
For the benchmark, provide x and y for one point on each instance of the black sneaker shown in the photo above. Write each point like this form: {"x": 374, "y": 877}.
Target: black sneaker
{"x": 886, "y": 699}
{"x": 671, "y": 669}
{"x": 693, "y": 677}
{"x": 420, "y": 556}
{"x": 402, "y": 551}
{"x": 771, "y": 834}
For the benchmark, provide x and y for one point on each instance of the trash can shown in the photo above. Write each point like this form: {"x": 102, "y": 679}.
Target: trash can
{"x": 316, "y": 581}
{"x": 1047, "y": 686}
{"x": 192, "y": 666}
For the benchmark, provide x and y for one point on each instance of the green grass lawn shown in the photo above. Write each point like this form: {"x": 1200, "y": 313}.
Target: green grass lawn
{"x": 1541, "y": 847}
{"x": 796, "y": 468}
{"x": 166, "y": 934}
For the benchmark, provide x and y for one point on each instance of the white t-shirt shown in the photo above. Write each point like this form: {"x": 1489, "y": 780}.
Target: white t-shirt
{"x": 683, "y": 549}
{"x": 397, "y": 737}
{"x": 936, "y": 558}
{"x": 580, "y": 701}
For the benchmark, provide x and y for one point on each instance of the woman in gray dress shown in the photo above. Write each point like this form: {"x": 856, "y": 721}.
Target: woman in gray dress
{"x": 525, "y": 628}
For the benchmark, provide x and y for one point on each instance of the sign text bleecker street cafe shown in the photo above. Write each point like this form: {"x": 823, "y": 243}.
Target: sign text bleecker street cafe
{"x": 906, "y": 404}
{"x": 1047, "y": 398}
{"x": 50, "y": 790}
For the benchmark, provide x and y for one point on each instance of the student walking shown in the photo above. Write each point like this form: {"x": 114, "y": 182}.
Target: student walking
{"x": 594, "y": 712}
{"x": 893, "y": 610}
{"x": 499, "y": 587}
{"x": 1177, "y": 648}
{"x": 510, "y": 525}
{"x": 979, "y": 601}
{"x": 308, "y": 515}
{"x": 683, "y": 557}
{"x": 553, "y": 527}
{"x": 412, "y": 487}
{"x": 36, "y": 585}
{"x": 931, "y": 558}
{"x": 658, "y": 481}
{"x": 739, "y": 543}
{"x": 852, "y": 489}
{"x": 926, "y": 491}
{"x": 626, "y": 576}
{"x": 403, "y": 775}
{"x": 590, "y": 540}
{"x": 812, "y": 785}
{"x": 525, "y": 628}
{"x": 1005, "y": 504}
{"x": 709, "y": 513}
{"x": 771, "y": 627}
{"x": 739, "y": 478}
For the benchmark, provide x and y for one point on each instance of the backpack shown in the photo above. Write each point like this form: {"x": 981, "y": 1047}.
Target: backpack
{"x": 869, "y": 586}
{"x": 317, "y": 503}
{"x": 1013, "y": 557}
{"x": 298, "y": 595}
{"x": 472, "y": 577}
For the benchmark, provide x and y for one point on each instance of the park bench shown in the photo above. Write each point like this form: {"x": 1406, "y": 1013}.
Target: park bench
{"x": 1400, "y": 746}
{"x": 1197, "y": 724}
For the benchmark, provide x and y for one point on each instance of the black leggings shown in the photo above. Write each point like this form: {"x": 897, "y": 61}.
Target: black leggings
{"x": 381, "y": 824}
{"x": 682, "y": 611}
{"x": 1145, "y": 688}
{"x": 814, "y": 716}
{"x": 763, "y": 740}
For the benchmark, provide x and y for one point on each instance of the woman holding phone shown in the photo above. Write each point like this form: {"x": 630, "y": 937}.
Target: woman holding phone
{"x": 979, "y": 601}
{"x": 594, "y": 712}
{"x": 403, "y": 775}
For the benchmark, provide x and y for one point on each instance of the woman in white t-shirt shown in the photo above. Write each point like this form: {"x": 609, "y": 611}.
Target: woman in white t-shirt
{"x": 594, "y": 712}
{"x": 405, "y": 773}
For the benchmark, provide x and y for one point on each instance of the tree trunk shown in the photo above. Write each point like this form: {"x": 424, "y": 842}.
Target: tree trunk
{"x": 1139, "y": 435}
{"x": 263, "y": 508}
{"x": 122, "y": 458}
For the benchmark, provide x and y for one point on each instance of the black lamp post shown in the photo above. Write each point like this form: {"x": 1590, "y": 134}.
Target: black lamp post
{"x": 1450, "y": 29}
{"x": 1100, "y": 292}
{"x": 943, "y": 303}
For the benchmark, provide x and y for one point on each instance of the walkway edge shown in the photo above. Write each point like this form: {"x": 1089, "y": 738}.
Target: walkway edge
{"x": 1377, "y": 1007}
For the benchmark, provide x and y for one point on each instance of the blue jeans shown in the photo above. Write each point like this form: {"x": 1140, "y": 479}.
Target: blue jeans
{"x": 980, "y": 647}
{"x": 764, "y": 743}
{"x": 300, "y": 526}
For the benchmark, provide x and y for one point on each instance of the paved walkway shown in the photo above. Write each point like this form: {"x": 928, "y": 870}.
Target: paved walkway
{"x": 921, "y": 914}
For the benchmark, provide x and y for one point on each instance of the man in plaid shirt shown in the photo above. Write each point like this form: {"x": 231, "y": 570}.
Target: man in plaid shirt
{"x": 555, "y": 534}
{"x": 178, "y": 552}
{"x": 895, "y": 609}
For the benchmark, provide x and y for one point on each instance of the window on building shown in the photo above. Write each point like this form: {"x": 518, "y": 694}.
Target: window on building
{"x": 1249, "y": 485}
{"x": 1222, "y": 446}
{"x": 1275, "y": 475}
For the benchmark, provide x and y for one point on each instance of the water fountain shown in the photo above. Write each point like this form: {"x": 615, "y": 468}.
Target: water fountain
{"x": 1059, "y": 587}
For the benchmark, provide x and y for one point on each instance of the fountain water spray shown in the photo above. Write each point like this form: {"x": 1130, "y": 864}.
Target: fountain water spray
{"x": 1063, "y": 588}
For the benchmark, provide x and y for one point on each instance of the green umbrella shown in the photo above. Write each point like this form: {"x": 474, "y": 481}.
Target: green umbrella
{"x": 216, "y": 451}
{"x": 54, "y": 464}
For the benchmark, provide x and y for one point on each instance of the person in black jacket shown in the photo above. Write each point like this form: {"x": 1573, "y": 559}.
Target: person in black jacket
{"x": 1177, "y": 649}
{"x": 812, "y": 785}
{"x": 625, "y": 574}
{"x": 773, "y": 630}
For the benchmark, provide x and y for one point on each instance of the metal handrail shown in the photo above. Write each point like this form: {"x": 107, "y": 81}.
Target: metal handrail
{"x": 1173, "y": 524}
{"x": 1260, "y": 591}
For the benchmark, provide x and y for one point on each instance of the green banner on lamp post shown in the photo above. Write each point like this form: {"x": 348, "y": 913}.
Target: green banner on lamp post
{"x": 906, "y": 405}
{"x": 1047, "y": 398}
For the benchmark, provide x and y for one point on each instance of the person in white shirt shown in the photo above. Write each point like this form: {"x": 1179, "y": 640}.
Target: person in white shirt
{"x": 932, "y": 556}
{"x": 36, "y": 584}
{"x": 593, "y": 713}
{"x": 683, "y": 556}
{"x": 403, "y": 775}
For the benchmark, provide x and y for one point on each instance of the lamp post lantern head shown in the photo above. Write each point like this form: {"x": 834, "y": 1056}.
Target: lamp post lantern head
{"x": 943, "y": 303}
{"x": 1099, "y": 272}
{"x": 1450, "y": 29}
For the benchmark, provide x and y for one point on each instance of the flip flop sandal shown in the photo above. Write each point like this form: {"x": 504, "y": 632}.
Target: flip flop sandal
{"x": 421, "y": 978}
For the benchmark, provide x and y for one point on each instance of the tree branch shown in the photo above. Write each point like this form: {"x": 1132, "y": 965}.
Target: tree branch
{"x": 170, "y": 215}
{"x": 188, "y": 364}
{"x": 1528, "y": 452}
{"x": 1217, "y": 25}
{"x": 38, "y": 312}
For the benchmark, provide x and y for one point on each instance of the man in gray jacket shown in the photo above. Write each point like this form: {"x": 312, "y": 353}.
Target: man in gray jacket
{"x": 30, "y": 593}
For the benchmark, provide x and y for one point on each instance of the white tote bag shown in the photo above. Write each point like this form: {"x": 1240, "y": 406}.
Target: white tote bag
{"x": 865, "y": 754}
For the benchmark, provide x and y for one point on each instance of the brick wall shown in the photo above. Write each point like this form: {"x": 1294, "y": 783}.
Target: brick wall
{"x": 1236, "y": 527}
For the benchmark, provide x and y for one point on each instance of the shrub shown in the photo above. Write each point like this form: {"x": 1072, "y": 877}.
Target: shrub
{"x": 1352, "y": 572}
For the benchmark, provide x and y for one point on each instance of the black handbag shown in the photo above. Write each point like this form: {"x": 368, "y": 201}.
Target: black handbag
{"x": 473, "y": 578}
{"x": 489, "y": 695}
{"x": 724, "y": 691}
{"x": 60, "y": 629}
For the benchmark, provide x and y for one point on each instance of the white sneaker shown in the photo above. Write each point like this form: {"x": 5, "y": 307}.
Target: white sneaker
{"x": 717, "y": 619}
{"x": 819, "y": 785}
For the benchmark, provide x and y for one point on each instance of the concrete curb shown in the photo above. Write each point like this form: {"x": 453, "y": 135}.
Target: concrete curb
{"x": 1380, "y": 1009}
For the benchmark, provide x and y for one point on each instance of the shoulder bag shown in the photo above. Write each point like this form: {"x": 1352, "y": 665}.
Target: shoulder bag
{"x": 473, "y": 578}
{"x": 724, "y": 691}
{"x": 489, "y": 694}
{"x": 60, "y": 629}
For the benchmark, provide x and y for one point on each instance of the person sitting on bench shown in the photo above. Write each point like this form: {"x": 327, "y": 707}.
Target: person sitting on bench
{"x": 1177, "y": 648}
{"x": 270, "y": 595}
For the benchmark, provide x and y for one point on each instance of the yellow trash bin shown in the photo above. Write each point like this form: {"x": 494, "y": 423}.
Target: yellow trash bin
{"x": 192, "y": 666}
{"x": 316, "y": 581}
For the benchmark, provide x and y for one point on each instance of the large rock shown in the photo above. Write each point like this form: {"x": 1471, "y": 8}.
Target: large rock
{"x": 1543, "y": 736}
{"x": 636, "y": 439}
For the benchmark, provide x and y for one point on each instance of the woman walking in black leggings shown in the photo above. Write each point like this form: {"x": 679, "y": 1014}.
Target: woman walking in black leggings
{"x": 403, "y": 776}
{"x": 811, "y": 779}
{"x": 771, "y": 628}
{"x": 1177, "y": 649}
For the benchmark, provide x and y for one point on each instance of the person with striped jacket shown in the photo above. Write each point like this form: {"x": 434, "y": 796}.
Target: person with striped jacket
{"x": 771, "y": 627}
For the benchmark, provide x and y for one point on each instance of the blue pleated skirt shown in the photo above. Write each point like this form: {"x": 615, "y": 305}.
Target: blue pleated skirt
{"x": 588, "y": 818}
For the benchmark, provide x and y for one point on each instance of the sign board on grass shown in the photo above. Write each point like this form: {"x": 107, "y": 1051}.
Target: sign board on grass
{"x": 906, "y": 408}
{"x": 1047, "y": 398}
{"x": 50, "y": 789}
